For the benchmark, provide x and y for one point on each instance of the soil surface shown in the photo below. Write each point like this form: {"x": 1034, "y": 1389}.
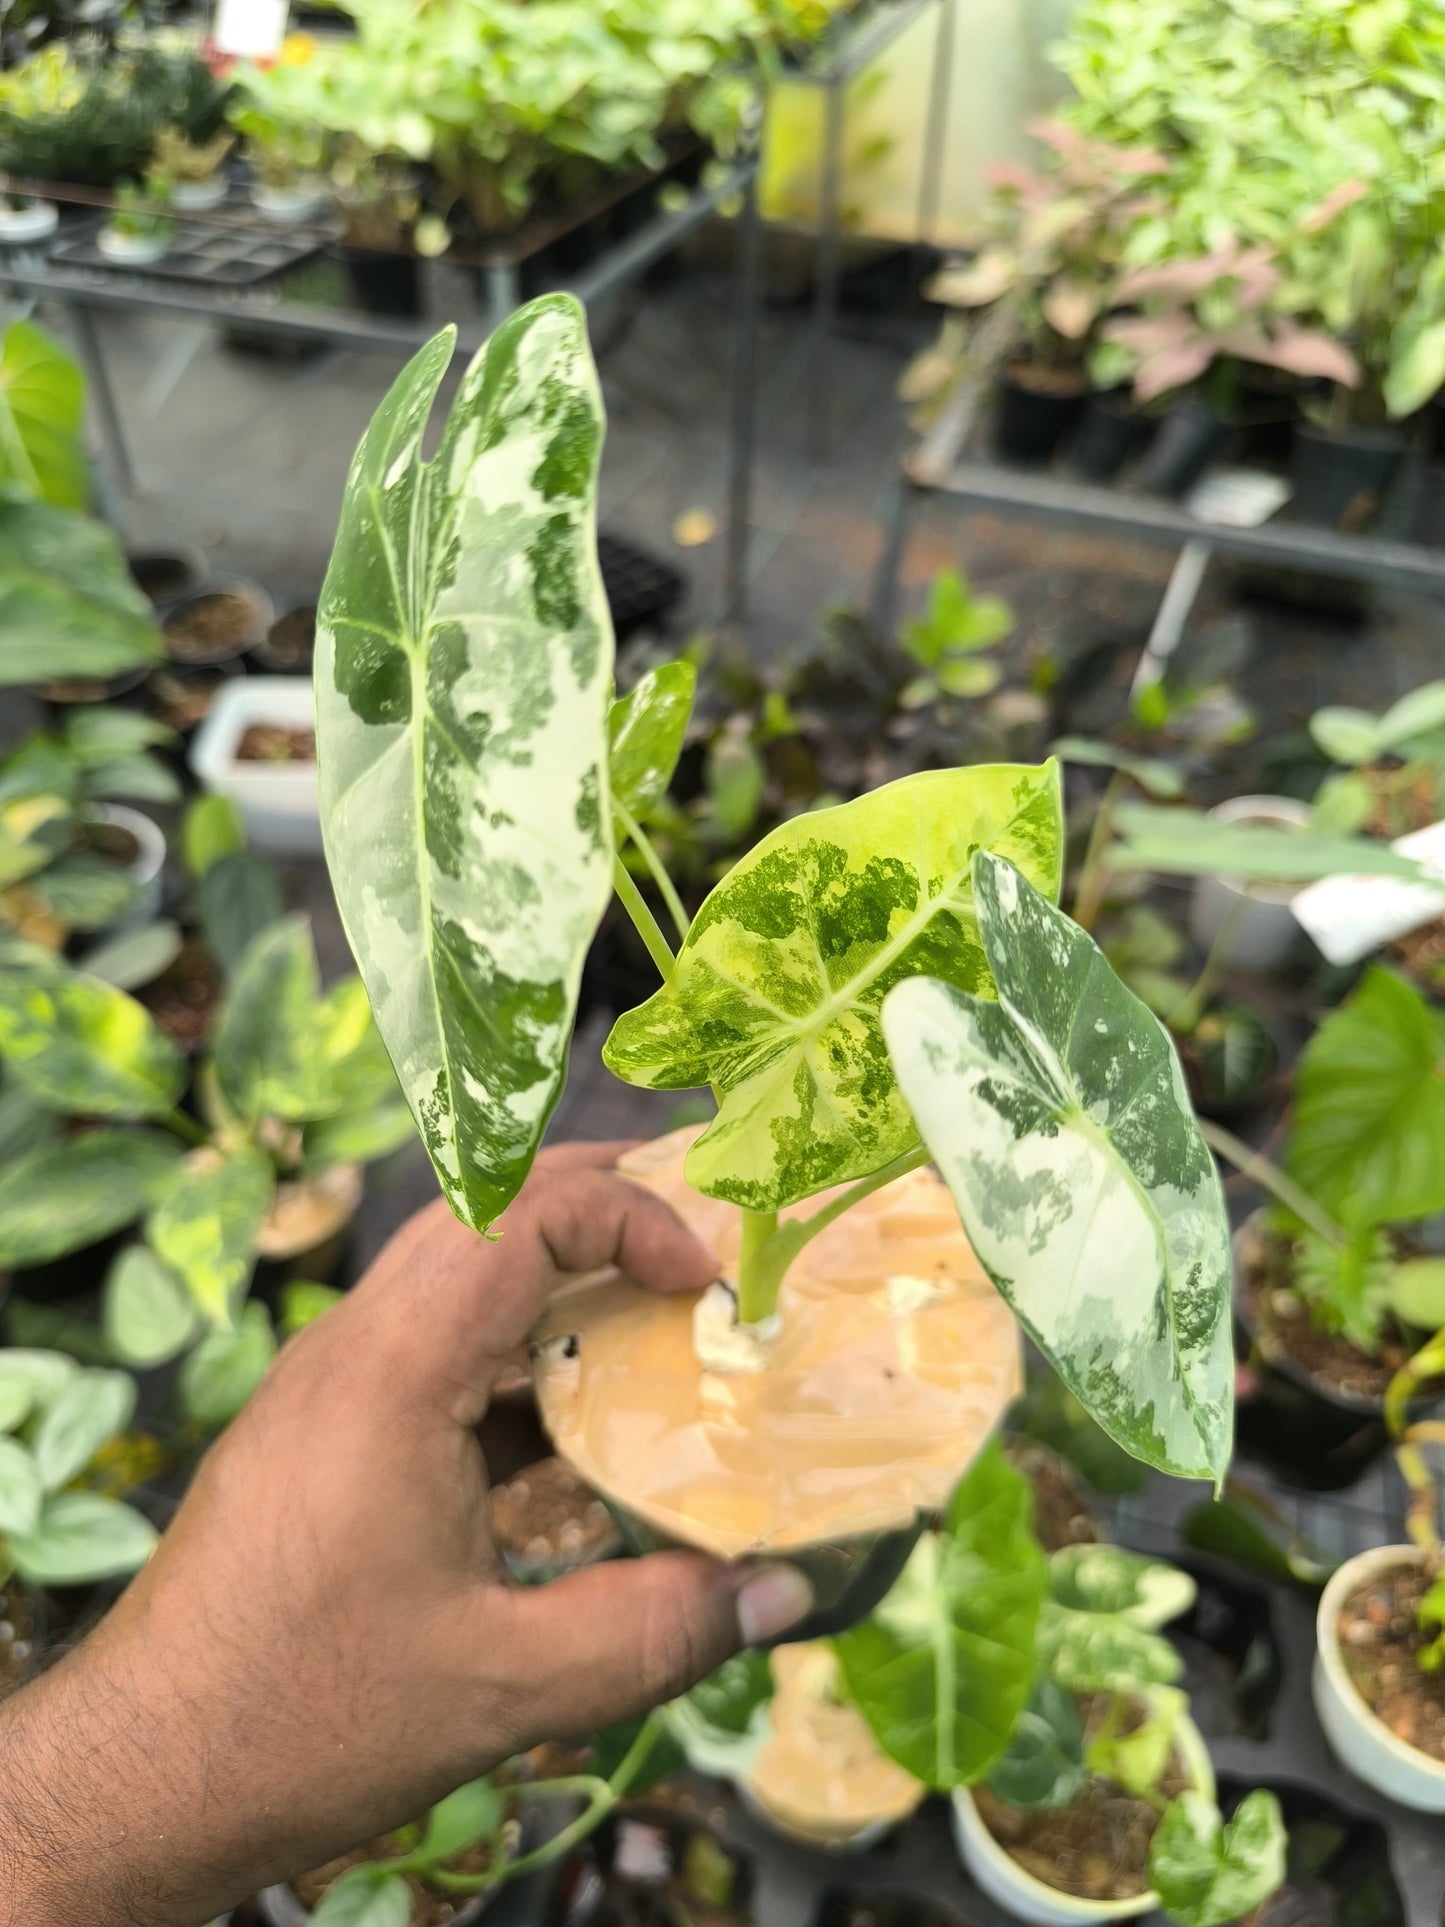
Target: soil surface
{"x": 1284, "y": 1327}
{"x": 212, "y": 627}
{"x": 1098, "y": 1848}
{"x": 183, "y": 701}
{"x": 293, "y": 637}
{"x": 1422, "y": 953}
{"x": 1061, "y": 1513}
{"x": 547, "y": 1514}
{"x": 185, "y": 997}
{"x": 1379, "y": 1639}
{"x": 112, "y": 841}
{"x": 430, "y": 1907}
{"x": 275, "y": 743}
{"x": 17, "y": 1639}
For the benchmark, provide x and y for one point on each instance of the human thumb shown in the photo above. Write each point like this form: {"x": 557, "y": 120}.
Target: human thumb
{"x": 618, "y": 1639}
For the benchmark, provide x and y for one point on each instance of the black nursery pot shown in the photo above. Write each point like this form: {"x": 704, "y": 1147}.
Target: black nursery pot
{"x": 1189, "y": 438}
{"x": 1032, "y": 424}
{"x": 582, "y": 1890}
{"x": 381, "y": 282}
{"x": 1340, "y": 480}
{"x": 1113, "y": 431}
{"x": 289, "y": 645}
{"x": 1312, "y": 1436}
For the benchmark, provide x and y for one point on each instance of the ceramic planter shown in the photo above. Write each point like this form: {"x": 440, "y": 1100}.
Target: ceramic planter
{"x": 199, "y": 197}
{"x": 32, "y": 220}
{"x": 131, "y": 250}
{"x": 290, "y": 205}
{"x": 277, "y": 800}
{"x": 1263, "y": 929}
{"x": 1007, "y": 1884}
{"x": 145, "y": 868}
{"x": 881, "y": 1312}
{"x": 1363, "y": 1744}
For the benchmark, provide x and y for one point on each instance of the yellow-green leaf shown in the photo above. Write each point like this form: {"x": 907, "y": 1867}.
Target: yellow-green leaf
{"x": 204, "y": 1226}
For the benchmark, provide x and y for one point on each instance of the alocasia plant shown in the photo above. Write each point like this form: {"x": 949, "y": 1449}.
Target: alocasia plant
{"x": 477, "y": 798}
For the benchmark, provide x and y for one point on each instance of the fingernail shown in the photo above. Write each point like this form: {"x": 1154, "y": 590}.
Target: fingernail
{"x": 775, "y": 1598}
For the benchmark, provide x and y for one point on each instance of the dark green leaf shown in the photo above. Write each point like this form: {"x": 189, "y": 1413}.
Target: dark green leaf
{"x": 68, "y": 605}
{"x": 723, "y": 1722}
{"x": 1044, "y": 1763}
{"x": 69, "y": 1195}
{"x": 237, "y": 897}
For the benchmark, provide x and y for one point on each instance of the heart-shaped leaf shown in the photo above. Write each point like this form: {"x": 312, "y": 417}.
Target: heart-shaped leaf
{"x": 1348, "y": 736}
{"x": 68, "y": 603}
{"x": 68, "y": 1195}
{"x": 224, "y": 1370}
{"x": 237, "y": 897}
{"x": 1151, "y": 773}
{"x": 21, "y": 1491}
{"x": 645, "y": 733}
{"x": 205, "y": 1223}
{"x": 777, "y": 991}
{"x": 723, "y": 1724}
{"x": 1044, "y": 1763}
{"x": 364, "y": 1898}
{"x": 463, "y": 670}
{"x": 93, "y": 1408}
{"x": 464, "y": 1817}
{"x": 1097, "y": 1631}
{"x": 1207, "y": 1872}
{"x": 40, "y": 1375}
{"x": 85, "y": 892}
{"x": 943, "y": 1668}
{"x": 83, "y": 1537}
{"x": 214, "y": 828}
{"x": 85, "y": 1047}
{"x": 267, "y": 1049}
{"x": 149, "y": 1316}
{"x": 42, "y": 416}
{"x": 1059, "y": 1120}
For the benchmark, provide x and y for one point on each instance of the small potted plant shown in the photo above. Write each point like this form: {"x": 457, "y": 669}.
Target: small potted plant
{"x": 851, "y": 988}
{"x": 195, "y": 171}
{"x": 257, "y": 746}
{"x": 1379, "y": 1674}
{"x": 141, "y": 227}
{"x": 25, "y": 219}
{"x": 385, "y": 235}
{"x": 284, "y": 145}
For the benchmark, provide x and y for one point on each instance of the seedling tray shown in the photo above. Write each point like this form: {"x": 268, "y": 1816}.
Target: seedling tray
{"x": 201, "y": 252}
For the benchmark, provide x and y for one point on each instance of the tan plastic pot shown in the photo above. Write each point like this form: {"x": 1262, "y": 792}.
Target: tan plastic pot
{"x": 1362, "y": 1743}
{"x": 894, "y": 1363}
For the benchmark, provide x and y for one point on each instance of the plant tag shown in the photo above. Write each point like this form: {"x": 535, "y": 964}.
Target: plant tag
{"x": 1349, "y": 916}
{"x": 1238, "y": 498}
{"x": 250, "y": 29}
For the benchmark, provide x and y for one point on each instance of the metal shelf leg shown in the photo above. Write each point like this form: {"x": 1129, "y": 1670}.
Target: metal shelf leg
{"x": 112, "y": 428}
{"x": 744, "y": 405}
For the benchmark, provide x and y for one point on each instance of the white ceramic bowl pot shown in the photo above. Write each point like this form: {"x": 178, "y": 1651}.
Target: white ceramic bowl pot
{"x": 145, "y": 868}
{"x": 999, "y": 1875}
{"x": 277, "y": 798}
{"x": 1362, "y": 1742}
{"x": 1263, "y": 931}
{"x": 280, "y": 1907}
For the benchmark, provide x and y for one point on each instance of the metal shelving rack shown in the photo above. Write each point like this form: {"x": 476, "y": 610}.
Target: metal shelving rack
{"x": 264, "y": 311}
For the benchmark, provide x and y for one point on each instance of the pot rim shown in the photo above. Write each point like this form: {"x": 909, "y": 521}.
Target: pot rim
{"x": 232, "y": 585}
{"x": 1281, "y": 1362}
{"x": 150, "y": 855}
{"x": 969, "y": 1822}
{"x": 1327, "y": 1654}
{"x": 1282, "y": 811}
{"x": 866, "y": 1835}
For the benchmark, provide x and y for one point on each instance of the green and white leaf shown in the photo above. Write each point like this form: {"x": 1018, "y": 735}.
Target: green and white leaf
{"x": 1098, "y": 1628}
{"x": 220, "y": 1375}
{"x": 147, "y": 1312}
{"x": 83, "y": 1537}
{"x": 371, "y": 1118}
{"x": 87, "y": 1048}
{"x": 267, "y": 1049}
{"x": 1367, "y": 1139}
{"x": 1043, "y": 1765}
{"x": 21, "y": 1491}
{"x": 723, "y": 1723}
{"x": 1207, "y": 1872}
{"x": 92, "y": 1410}
{"x": 364, "y": 1898}
{"x": 205, "y": 1223}
{"x": 1107, "y": 1579}
{"x": 1060, "y": 1121}
{"x": 943, "y": 1668}
{"x": 1137, "y": 1759}
{"x": 645, "y": 733}
{"x": 68, "y": 603}
{"x": 32, "y": 1380}
{"x": 463, "y": 674}
{"x": 86, "y": 892}
{"x": 69, "y": 1195}
{"x": 777, "y": 992}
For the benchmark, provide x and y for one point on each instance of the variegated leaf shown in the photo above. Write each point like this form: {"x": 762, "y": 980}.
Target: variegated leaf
{"x": 67, "y": 1195}
{"x": 777, "y": 991}
{"x": 267, "y": 1052}
{"x": 645, "y": 732}
{"x": 1061, "y": 1124}
{"x": 83, "y": 1537}
{"x": 205, "y": 1225}
{"x": 463, "y": 673}
{"x": 86, "y": 1048}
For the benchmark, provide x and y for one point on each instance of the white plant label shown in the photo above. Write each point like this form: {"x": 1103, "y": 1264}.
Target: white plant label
{"x": 250, "y": 29}
{"x": 1349, "y": 916}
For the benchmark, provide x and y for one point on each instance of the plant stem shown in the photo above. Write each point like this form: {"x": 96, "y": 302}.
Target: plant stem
{"x": 767, "y": 1253}
{"x": 1254, "y": 1164}
{"x": 1089, "y": 896}
{"x": 1184, "y": 1019}
{"x": 186, "y": 1127}
{"x": 655, "y": 868}
{"x": 632, "y": 902}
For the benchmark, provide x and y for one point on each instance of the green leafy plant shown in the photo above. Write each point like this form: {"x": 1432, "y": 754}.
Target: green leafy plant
{"x": 142, "y": 212}
{"x": 1414, "y": 1439}
{"x": 42, "y": 414}
{"x": 463, "y": 691}
{"x": 296, "y": 1085}
{"x": 377, "y": 1894}
{"x": 1393, "y": 774}
{"x": 55, "y": 1417}
{"x": 948, "y": 642}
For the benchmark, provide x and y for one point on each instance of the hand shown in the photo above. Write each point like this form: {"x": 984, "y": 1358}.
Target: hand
{"x": 325, "y": 1642}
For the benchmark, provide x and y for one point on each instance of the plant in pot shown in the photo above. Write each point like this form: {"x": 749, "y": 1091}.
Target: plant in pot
{"x": 1379, "y": 1674}
{"x": 384, "y": 231}
{"x": 1047, "y": 280}
{"x": 294, "y": 1098}
{"x": 193, "y": 171}
{"x": 141, "y": 226}
{"x": 286, "y": 148}
{"x": 486, "y": 602}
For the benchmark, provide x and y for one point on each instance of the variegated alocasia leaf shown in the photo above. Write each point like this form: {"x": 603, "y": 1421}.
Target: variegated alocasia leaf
{"x": 86, "y": 1048}
{"x": 267, "y": 1051}
{"x": 645, "y": 733}
{"x": 1099, "y": 1626}
{"x": 205, "y": 1223}
{"x": 1059, "y": 1119}
{"x": 777, "y": 991}
{"x": 943, "y": 1668}
{"x": 1207, "y": 1872}
{"x": 463, "y": 675}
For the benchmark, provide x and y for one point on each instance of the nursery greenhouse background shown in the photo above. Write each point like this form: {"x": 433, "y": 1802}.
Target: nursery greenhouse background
{"x": 845, "y": 598}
